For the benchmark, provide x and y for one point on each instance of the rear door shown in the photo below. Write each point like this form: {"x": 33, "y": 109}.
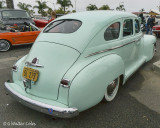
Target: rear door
{"x": 138, "y": 41}
{"x": 129, "y": 48}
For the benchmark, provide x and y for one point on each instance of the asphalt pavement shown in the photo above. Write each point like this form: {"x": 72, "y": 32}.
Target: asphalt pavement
{"x": 137, "y": 104}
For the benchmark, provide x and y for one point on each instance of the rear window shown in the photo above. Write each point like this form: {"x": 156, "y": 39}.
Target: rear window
{"x": 63, "y": 26}
{"x": 15, "y": 14}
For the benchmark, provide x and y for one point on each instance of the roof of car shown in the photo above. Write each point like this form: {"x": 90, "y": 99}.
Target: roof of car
{"x": 98, "y": 16}
{"x": 92, "y": 23}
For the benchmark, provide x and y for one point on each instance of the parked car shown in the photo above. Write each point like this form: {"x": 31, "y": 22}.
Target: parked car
{"x": 41, "y": 22}
{"x": 18, "y": 35}
{"x": 156, "y": 30}
{"x": 14, "y": 16}
{"x": 77, "y": 60}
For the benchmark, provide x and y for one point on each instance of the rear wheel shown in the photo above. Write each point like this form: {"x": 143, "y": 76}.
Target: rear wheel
{"x": 4, "y": 45}
{"x": 112, "y": 89}
{"x": 154, "y": 50}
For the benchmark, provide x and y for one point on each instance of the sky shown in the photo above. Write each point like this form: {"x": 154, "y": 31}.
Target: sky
{"x": 130, "y": 5}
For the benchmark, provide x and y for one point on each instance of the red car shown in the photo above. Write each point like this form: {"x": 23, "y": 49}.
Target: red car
{"x": 156, "y": 30}
{"x": 41, "y": 23}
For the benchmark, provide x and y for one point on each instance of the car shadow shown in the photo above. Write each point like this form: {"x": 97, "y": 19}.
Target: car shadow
{"x": 19, "y": 47}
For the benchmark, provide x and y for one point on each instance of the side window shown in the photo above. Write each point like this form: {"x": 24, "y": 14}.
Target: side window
{"x": 128, "y": 27}
{"x": 137, "y": 27}
{"x": 112, "y": 32}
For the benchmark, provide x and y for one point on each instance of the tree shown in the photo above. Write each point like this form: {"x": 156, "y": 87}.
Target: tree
{"x": 10, "y": 4}
{"x": 121, "y": 7}
{"x": 24, "y": 6}
{"x": 142, "y": 10}
{"x": 41, "y": 7}
{"x": 49, "y": 11}
{"x": 31, "y": 12}
{"x": 60, "y": 11}
{"x": 2, "y": 4}
{"x": 64, "y": 4}
{"x": 73, "y": 11}
{"x": 91, "y": 7}
{"x": 104, "y": 7}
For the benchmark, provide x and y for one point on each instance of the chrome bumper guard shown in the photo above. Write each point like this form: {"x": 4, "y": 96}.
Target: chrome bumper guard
{"x": 42, "y": 107}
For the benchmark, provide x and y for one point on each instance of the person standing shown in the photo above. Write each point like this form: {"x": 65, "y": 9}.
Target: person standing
{"x": 152, "y": 23}
{"x": 148, "y": 25}
{"x": 53, "y": 16}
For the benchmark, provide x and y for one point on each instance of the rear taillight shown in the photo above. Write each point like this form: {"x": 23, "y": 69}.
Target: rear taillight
{"x": 65, "y": 83}
{"x": 14, "y": 68}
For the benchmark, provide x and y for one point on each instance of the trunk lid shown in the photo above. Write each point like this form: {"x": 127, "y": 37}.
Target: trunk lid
{"x": 56, "y": 59}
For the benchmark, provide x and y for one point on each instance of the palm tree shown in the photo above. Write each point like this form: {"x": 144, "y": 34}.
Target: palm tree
{"x": 41, "y": 6}
{"x": 31, "y": 12}
{"x": 120, "y": 7}
{"x": 49, "y": 11}
{"x": 60, "y": 11}
{"x": 24, "y": 6}
{"x": 64, "y": 4}
{"x": 142, "y": 10}
{"x": 104, "y": 7}
{"x": 2, "y": 4}
{"x": 10, "y": 4}
{"x": 91, "y": 7}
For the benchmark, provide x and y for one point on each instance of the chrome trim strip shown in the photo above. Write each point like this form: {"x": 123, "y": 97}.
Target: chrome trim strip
{"x": 42, "y": 107}
{"x": 35, "y": 65}
{"x": 106, "y": 50}
{"x": 155, "y": 30}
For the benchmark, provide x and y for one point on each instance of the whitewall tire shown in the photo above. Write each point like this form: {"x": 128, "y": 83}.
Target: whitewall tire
{"x": 112, "y": 89}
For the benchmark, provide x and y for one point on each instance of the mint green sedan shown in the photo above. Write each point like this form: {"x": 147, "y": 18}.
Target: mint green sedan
{"x": 79, "y": 59}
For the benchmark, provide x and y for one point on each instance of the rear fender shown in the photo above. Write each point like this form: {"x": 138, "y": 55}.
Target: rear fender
{"x": 89, "y": 85}
{"x": 149, "y": 42}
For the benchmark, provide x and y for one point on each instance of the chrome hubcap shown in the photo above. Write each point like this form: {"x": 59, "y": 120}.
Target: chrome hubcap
{"x": 4, "y": 46}
{"x": 112, "y": 87}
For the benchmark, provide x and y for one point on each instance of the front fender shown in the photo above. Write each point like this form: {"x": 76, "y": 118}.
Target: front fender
{"x": 89, "y": 85}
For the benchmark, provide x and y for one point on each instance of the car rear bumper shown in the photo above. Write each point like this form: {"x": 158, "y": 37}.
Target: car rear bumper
{"x": 42, "y": 107}
{"x": 155, "y": 30}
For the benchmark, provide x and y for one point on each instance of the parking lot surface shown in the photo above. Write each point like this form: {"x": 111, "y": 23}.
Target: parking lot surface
{"x": 137, "y": 104}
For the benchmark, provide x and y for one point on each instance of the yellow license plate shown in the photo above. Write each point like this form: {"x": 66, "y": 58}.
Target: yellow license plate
{"x": 30, "y": 74}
